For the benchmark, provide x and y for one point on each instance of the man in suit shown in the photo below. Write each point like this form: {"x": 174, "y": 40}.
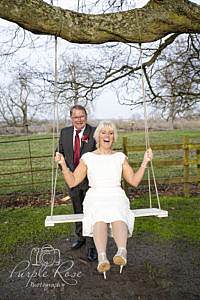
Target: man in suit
{"x": 75, "y": 141}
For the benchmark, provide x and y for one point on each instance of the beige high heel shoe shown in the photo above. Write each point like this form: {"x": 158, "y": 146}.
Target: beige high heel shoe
{"x": 120, "y": 258}
{"x": 103, "y": 264}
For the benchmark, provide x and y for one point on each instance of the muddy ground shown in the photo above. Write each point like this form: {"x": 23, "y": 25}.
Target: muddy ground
{"x": 155, "y": 270}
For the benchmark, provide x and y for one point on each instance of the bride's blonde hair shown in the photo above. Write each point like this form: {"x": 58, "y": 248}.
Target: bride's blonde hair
{"x": 103, "y": 125}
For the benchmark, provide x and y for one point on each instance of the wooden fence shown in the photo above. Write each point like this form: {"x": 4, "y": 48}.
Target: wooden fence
{"x": 186, "y": 162}
{"x": 30, "y": 171}
{"x": 37, "y": 171}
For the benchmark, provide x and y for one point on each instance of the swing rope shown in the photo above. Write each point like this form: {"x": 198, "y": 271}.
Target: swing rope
{"x": 54, "y": 171}
{"x": 146, "y": 127}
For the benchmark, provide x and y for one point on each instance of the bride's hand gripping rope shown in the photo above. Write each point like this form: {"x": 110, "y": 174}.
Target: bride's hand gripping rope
{"x": 148, "y": 156}
{"x": 59, "y": 158}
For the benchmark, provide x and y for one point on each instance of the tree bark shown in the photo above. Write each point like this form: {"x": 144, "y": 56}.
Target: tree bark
{"x": 150, "y": 23}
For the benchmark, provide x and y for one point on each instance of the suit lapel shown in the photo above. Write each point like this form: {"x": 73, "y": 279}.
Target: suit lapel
{"x": 86, "y": 132}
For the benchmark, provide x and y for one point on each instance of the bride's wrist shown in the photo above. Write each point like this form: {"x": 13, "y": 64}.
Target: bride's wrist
{"x": 143, "y": 165}
{"x": 65, "y": 169}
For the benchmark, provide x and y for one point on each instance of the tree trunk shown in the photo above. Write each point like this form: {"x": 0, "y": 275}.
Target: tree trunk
{"x": 155, "y": 20}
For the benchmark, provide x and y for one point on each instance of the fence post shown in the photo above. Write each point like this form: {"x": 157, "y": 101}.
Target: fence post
{"x": 124, "y": 147}
{"x": 186, "y": 166}
{"x": 124, "y": 144}
{"x": 198, "y": 167}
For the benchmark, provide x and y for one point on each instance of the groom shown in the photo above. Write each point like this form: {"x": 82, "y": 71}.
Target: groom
{"x": 74, "y": 141}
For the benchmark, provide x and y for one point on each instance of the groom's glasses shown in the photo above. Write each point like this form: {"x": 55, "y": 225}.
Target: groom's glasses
{"x": 77, "y": 118}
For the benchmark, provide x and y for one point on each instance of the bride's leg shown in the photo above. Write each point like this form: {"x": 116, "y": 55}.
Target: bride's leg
{"x": 120, "y": 233}
{"x": 100, "y": 236}
{"x": 100, "y": 240}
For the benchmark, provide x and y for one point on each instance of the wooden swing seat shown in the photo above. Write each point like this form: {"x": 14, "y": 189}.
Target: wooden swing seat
{"x": 144, "y": 212}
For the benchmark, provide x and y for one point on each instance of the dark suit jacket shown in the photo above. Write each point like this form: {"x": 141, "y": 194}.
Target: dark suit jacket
{"x": 66, "y": 148}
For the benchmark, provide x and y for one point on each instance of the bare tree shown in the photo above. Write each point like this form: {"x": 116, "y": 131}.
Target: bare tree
{"x": 76, "y": 76}
{"x": 175, "y": 79}
{"x": 19, "y": 100}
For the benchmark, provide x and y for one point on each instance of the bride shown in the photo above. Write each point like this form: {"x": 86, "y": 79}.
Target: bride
{"x": 106, "y": 207}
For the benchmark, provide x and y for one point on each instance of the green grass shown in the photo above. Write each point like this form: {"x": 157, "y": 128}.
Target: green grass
{"x": 23, "y": 182}
{"x": 183, "y": 222}
{"x": 26, "y": 225}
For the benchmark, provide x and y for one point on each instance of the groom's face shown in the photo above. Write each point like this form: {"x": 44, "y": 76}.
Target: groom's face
{"x": 78, "y": 118}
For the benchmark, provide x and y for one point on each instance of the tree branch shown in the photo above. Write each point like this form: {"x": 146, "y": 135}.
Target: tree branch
{"x": 156, "y": 20}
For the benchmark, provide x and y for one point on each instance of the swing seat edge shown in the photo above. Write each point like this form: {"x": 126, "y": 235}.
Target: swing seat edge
{"x": 50, "y": 221}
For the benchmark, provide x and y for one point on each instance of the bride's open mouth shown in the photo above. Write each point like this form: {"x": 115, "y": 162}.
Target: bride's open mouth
{"x": 106, "y": 141}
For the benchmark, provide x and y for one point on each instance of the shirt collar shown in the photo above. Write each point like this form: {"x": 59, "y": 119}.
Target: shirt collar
{"x": 82, "y": 130}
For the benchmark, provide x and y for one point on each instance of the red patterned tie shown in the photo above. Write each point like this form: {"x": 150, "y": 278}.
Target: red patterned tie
{"x": 77, "y": 149}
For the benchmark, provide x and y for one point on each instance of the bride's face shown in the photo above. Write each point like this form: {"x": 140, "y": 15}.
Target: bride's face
{"x": 106, "y": 138}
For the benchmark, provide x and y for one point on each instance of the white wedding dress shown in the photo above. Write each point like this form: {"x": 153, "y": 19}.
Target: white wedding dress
{"x": 105, "y": 200}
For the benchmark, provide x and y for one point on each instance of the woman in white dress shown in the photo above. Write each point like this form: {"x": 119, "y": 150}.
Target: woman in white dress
{"x": 106, "y": 207}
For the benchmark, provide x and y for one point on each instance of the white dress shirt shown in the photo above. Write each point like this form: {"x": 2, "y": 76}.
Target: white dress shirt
{"x": 80, "y": 135}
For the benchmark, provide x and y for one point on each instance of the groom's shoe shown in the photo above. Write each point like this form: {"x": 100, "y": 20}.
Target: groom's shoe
{"x": 91, "y": 254}
{"x": 78, "y": 244}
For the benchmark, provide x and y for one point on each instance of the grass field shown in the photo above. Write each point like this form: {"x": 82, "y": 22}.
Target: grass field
{"x": 40, "y": 178}
{"x": 21, "y": 226}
